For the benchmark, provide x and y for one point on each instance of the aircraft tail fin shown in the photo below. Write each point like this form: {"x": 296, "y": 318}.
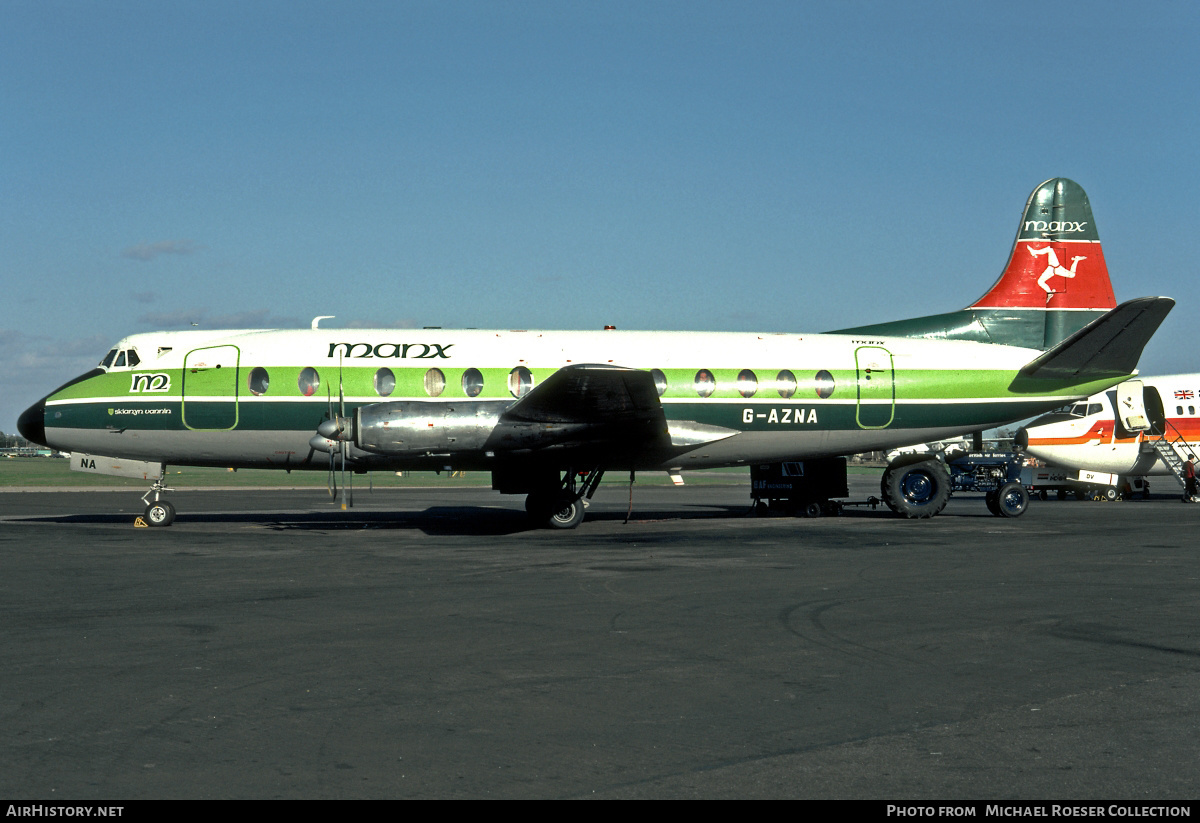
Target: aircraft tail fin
{"x": 1055, "y": 283}
{"x": 1057, "y": 262}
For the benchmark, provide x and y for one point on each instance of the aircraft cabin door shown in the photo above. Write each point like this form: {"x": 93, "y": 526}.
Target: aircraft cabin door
{"x": 876, "y": 387}
{"x": 1154, "y": 410}
{"x": 210, "y": 388}
{"x": 1131, "y": 406}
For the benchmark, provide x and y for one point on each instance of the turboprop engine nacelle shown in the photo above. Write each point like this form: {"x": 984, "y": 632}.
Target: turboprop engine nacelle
{"x": 422, "y": 427}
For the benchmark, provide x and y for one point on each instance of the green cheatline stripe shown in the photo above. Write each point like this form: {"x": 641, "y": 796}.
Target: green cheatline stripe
{"x": 149, "y": 415}
{"x": 359, "y": 383}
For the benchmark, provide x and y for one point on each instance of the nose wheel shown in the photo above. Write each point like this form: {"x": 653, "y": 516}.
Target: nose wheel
{"x": 159, "y": 512}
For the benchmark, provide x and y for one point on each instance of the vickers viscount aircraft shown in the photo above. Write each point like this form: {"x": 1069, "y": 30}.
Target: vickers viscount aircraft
{"x": 548, "y": 412}
{"x": 1140, "y": 428}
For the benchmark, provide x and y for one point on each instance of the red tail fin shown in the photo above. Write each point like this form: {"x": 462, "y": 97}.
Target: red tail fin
{"x": 1056, "y": 261}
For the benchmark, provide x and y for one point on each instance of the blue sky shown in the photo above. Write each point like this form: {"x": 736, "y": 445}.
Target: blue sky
{"x": 778, "y": 166}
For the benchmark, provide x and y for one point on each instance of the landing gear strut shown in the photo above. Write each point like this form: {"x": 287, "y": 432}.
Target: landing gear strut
{"x": 563, "y": 507}
{"x": 160, "y": 512}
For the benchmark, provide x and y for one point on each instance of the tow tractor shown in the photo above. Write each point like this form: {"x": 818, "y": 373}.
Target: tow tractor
{"x": 915, "y": 485}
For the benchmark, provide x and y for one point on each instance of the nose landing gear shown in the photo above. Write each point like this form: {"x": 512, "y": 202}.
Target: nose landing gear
{"x": 159, "y": 512}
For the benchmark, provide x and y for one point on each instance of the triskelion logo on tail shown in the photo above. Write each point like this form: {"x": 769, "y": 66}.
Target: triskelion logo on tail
{"x": 1053, "y": 267}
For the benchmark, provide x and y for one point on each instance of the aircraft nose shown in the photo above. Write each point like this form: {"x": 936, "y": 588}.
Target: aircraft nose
{"x": 1021, "y": 439}
{"x": 32, "y": 423}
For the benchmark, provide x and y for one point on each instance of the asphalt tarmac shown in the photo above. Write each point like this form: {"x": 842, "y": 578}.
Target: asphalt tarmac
{"x": 428, "y": 644}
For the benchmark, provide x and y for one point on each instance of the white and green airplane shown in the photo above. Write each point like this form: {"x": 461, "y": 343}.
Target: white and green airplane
{"x": 547, "y": 412}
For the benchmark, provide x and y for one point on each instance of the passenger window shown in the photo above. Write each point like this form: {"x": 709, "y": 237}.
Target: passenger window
{"x": 1191, "y": 409}
{"x": 785, "y": 383}
{"x": 660, "y": 381}
{"x": 259, "y": 380}
{"x": 435, "y": 382}
{"x": 1179, "y": 411}
{"x": 824, "y": 384}
{"x": 472, "y": 382}
{"x": 747, "y": 383}
{"x": 705, "y": 384}
{"x": 385, "y": 382}
{"x": 520, "y": 381}
{"x": 309, "y": 381}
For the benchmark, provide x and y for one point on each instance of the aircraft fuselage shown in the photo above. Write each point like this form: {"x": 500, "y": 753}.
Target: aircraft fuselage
{"x": 255, "y": 398}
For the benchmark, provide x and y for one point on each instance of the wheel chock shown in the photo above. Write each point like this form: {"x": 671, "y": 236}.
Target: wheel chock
{"x": 139, "y": 523}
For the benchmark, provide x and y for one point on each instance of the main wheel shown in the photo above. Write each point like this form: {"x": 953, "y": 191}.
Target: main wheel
{"x": 566, "y": 515}
{"x": 1011, "y": 500}
{"x": 160, "y": 513}
{"x": 917, "y": 490}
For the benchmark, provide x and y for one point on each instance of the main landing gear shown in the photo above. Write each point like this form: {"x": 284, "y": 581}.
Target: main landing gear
{"x": 562, "y": 507}
{"x": 160, "y": 512}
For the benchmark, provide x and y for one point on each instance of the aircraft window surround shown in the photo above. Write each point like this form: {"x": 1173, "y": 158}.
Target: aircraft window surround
{"x": 259, "y": 381}
{"x": 520, "y": 381}
{"x": 435, "y": 382}
{"x": 747, "y": 383}
{"x": 472, "y": 382}
{"x": 385, "y": 382}
{"x": 308, "y": 381}
{"x": 785, "y": 384}
{"x": 825, "y": 384}
{"x": 660, "y": 381}
{"x": 705, "y": 384}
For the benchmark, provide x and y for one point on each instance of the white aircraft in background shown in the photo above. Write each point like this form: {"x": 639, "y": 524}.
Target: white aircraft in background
{"x": 548, "y": 412}
{"x": 1141, "y": 428}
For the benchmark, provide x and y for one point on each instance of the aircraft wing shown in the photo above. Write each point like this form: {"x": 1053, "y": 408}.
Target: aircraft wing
{"x": 590, "y": 405}
{"x": 1109, "y": 345}
{"x": 597, "y": 394}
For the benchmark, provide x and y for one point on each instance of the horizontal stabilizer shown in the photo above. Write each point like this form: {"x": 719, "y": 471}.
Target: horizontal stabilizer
{"x": 1110, "y": 345}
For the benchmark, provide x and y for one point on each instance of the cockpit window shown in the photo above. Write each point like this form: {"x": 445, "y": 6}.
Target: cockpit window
{"x": 120, "y": 360}
{"x": 133, "y": 358}
{"x": 1094, "y": 408}
{"x": 108, "y": 358}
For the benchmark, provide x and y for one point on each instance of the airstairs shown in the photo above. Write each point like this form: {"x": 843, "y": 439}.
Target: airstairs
{"x": 1171, "y": 448}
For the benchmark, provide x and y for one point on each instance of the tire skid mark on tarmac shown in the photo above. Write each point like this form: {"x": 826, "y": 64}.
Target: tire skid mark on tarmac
{"x": 815, "y": 612}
